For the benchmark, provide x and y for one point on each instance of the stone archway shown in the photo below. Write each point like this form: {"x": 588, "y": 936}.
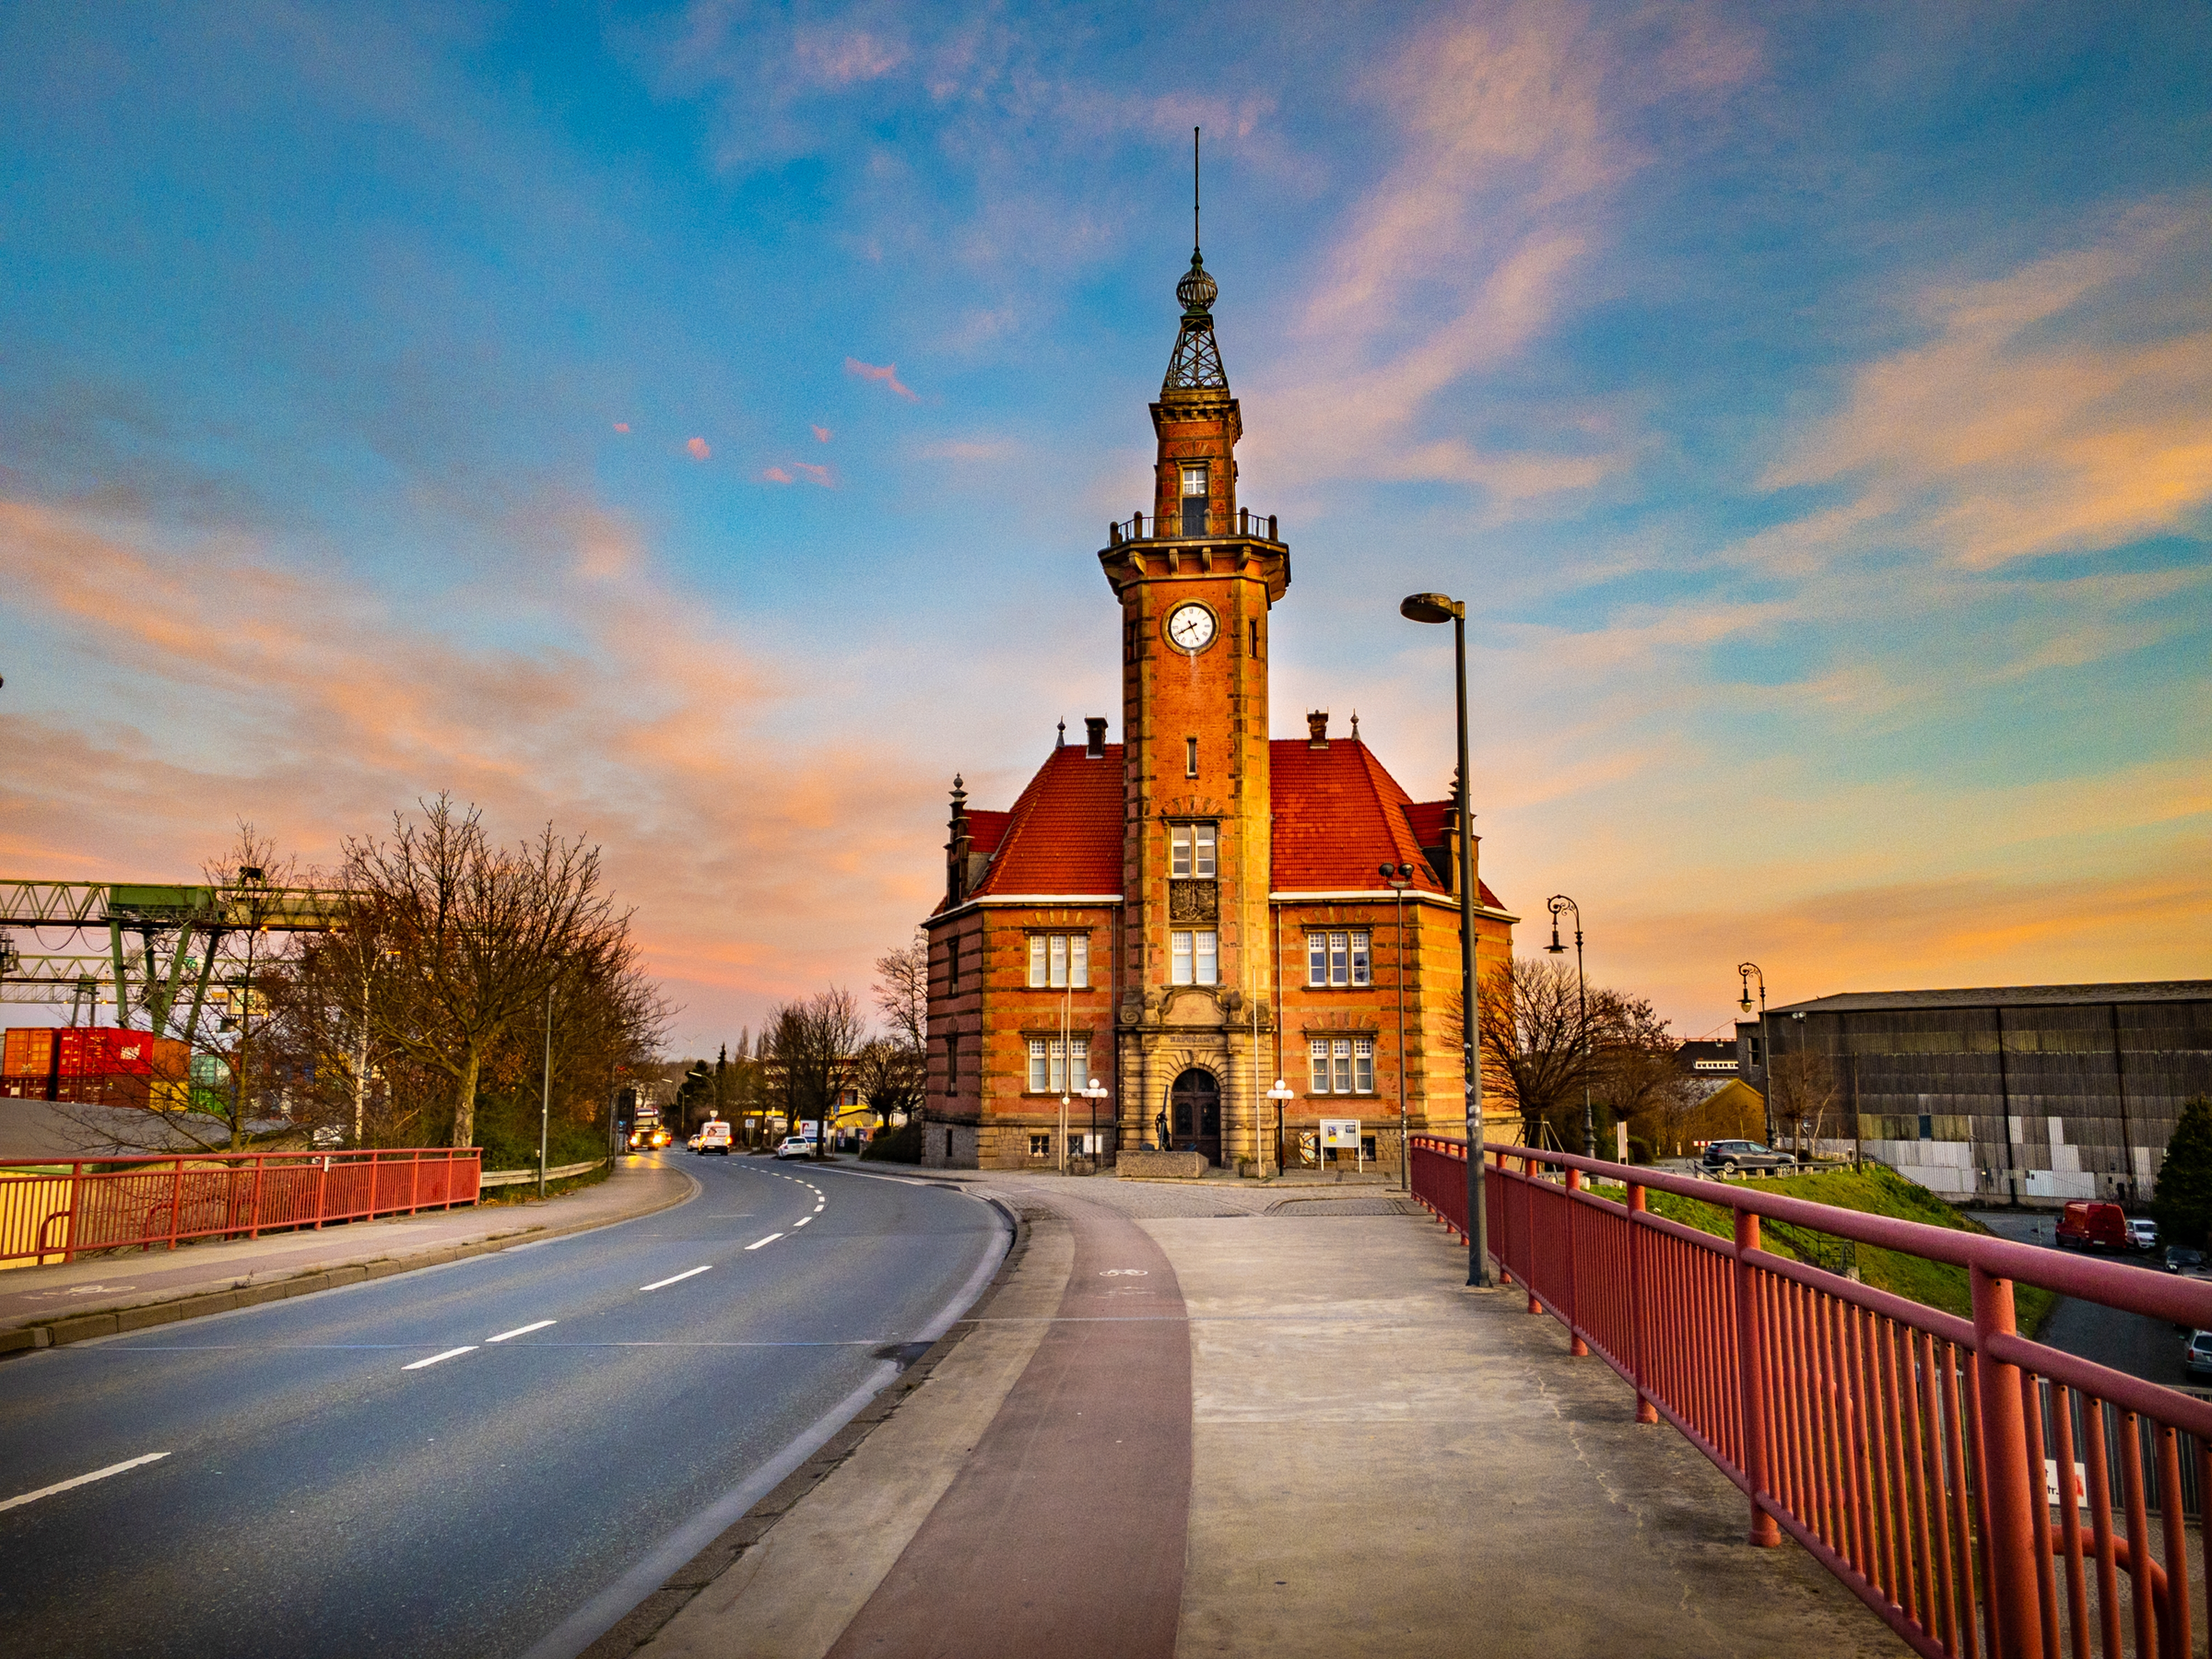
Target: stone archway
{"x": 1194, "y": 1113}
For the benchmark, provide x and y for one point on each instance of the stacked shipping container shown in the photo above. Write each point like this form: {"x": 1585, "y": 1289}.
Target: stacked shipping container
{"x": 100, "y": 1065}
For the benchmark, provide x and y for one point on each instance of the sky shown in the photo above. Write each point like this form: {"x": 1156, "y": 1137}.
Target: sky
{"x": 694, "y": 427}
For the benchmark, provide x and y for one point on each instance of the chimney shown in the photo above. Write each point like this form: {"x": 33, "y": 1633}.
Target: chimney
{"x": 1317, "y": 728}
{"x": 1094, "y": 745}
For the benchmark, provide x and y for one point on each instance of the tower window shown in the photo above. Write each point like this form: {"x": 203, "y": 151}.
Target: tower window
{"x": 1190, "y": 757}
{"x": 1191, "y": 851}
{"x": 1194, "y": 958}
{"x": 1193, "y": 501}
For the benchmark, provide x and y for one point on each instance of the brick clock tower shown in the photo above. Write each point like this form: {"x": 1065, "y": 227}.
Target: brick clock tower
{"x": 1190, "y": 914}
{"x": 1196, "y": 577}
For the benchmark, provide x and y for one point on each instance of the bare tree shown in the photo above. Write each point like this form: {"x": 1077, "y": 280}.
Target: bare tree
{"x": 813, "y": 1045}
{"x": 1533, "y": 1047}
{"x": 481, "y": 933}
{"x": 902, "y": 992}
{"x": 1805, "y": 1092}
{"x": 889, "y": 1077}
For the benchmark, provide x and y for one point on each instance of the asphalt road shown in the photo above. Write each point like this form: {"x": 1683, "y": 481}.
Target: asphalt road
{"x": 2142, "y": 1347}
{"x": 497, "y": 1456}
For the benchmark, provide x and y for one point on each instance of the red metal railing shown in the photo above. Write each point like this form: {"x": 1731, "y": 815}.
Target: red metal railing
{"x": 1906, "y": 1448}
{"x": 109, "y": 1204}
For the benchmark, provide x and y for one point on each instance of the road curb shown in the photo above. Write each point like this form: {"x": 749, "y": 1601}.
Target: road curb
{"x": 645, "y": 1621}
{"x": 197, "y": 1304}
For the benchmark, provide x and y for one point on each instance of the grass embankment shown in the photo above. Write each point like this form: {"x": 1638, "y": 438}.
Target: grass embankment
{"x": 1871, "y": 1190}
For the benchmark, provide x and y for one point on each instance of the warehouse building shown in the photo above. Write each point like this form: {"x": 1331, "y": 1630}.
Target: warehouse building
{"x": 2023, "y": 1094}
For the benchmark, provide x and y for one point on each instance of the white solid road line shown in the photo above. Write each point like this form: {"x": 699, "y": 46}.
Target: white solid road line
{"x": 769, "y": 1240}
{"x": 802, "y": 1220}
{"x": 694, "y": 1273}
{"x": 433, "y": 1359}
{"x": 522, "y": 1330}
{"x": 62, "y": 1485}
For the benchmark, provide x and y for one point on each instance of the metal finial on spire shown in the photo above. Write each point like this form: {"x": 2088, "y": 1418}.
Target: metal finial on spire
{"x": 1061, "y": 742}
{"x": 1197, "y": 362}
{"x": 1193, "y": 195}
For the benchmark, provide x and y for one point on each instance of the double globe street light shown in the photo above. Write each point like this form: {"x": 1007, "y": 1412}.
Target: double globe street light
{"x": 1440, "y": 607}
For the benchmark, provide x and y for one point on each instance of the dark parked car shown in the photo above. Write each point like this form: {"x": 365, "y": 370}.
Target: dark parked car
{"x": 2179, "y": 1258}
{"x": 1745, "y": 1155}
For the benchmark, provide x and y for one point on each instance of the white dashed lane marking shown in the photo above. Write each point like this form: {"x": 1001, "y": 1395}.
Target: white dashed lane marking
{"x": 62, "y": 1485}
{"x": 434, "y": 1359}
{"x": 522, "y": 1330}
{"x": 676, "y": 1279}
{"x": 769, "y": 1240}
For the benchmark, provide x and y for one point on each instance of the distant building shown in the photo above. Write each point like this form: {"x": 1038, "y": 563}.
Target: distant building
{"x": 2028, "y": 1094}
{"x": 1711, "y": 1066}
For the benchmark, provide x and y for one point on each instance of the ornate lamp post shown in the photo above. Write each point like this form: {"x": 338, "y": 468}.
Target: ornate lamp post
{"x": 1440, "y": 607}
{"x": 1747, "y": 971}
{"x": 1281, "y": 1094}
{"x": 1096, "y": 1092}
{"x": 1558, "y": 903}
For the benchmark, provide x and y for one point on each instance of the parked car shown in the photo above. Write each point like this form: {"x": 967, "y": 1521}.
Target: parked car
{"x": 796, "y": 1145}
{"x": 2086, "y": 1225}
{"x": 2197, "y": 1358}
{"x": 1745, "y": 1155}
{"x": 2179, "y": 1258}
{"x": 713, "y": 1136}
{"x": 2143, "y": 1232}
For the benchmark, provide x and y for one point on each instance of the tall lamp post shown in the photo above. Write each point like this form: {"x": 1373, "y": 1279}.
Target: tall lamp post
{"x": 1747, "y": 971}
{"x": 1558, "y": 903}
{"x": 545, "y": 1102}
{"x": 1097, "y": 1091}
{"x": 1400, "y": 877}
{"x": 1282, "y": 1094}
{"x": 1438, "y": 607}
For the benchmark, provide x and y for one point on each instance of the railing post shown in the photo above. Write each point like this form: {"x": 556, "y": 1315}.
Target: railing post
{"x": 76, "y": 1204}
{"x": 176, "y": 1201}
{"x": 1751, "y": 1381}
{"x": 260, "y": 1164}
{"x": 1576, "y": 1348}
{"x": 322, "y": 1191}
{"x": 2015, "y": 1510}
{"x": 415, "y": 1180}
{"x": 1637, "y": 1204}
{"x": 1528, "y": 1231}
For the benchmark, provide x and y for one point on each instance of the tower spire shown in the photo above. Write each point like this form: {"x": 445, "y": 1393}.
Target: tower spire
{"x": 1196, "y": 363}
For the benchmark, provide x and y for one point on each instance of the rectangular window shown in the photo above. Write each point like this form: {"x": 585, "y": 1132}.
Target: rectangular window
{"x": 1318, "y": 1053}
{"x": 1059, "y": 960}
{"x": 1049, "y": 1070}
{"x": 1190, "y": 851}
{"x": 1338, "y": 958}
{"x": 1190, "y": 757}
{"x": 1363, "y": 1065}
{"x": 1340, "y": 1051}
{"x": 1194, "y": 958}
{"x": 1041, "y": 1146}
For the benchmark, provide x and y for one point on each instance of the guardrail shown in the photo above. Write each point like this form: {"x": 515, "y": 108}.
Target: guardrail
{"x": 1916, "y": 1454}
{"x": 53, "y": 1209}
{"x": 499, "y": 1178}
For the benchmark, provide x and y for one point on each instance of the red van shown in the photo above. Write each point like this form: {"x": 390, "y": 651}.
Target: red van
{"x": 2085, "y": 1226}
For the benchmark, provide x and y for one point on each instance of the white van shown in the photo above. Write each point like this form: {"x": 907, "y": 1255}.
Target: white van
{"x": 713, "y": 1136}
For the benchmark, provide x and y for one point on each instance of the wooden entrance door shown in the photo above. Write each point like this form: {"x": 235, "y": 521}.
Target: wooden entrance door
{"x": 1194, "y": 1109}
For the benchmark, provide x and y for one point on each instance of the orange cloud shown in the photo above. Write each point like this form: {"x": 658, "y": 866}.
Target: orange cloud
{"x": 888, "y": 374}
{"x": 621, "y": 425}
{"x": 819, "y": 474}
{"x": 2049, "y": 410}
{"x": 313, "y": 707}
{"x": 776, "y": 475}
{"x": 821, "y": 434}
{"x": 697, "y": 449}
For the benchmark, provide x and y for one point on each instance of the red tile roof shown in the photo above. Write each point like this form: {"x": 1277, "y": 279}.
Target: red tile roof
{"x": 1064, "y": 835}
{"x": 1338, "y": 815}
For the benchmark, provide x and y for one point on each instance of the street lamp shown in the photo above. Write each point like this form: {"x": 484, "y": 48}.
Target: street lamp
{"x": 1097, "y": 1091}
{"x": 1558, "y": 903}
{"x": 1281, "y": 1094}
{"x": 1745, "y": 970}
{"x": 1400, "y": 877}
{"x": 1438, "y": 607}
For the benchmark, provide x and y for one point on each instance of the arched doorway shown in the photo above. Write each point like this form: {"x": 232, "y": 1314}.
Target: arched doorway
{"x": 1195, "y": 1112}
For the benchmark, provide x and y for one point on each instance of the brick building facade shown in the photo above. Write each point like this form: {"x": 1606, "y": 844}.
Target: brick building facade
{"x": 1201, "y": 909}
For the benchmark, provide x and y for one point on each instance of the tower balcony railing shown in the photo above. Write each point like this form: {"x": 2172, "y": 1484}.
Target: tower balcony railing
{"x": 1162, "y": 527}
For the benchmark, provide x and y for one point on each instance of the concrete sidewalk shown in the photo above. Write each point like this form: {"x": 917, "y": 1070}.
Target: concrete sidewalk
{"x": 126, "y": 1290}
{"x": 1381, "y": 1461}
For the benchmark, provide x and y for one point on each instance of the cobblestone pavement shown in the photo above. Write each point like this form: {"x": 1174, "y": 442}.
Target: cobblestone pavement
{"x": 1166, "y": 1201}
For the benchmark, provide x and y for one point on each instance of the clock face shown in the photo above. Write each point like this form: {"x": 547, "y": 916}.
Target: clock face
{"x": 1191, "y": 628}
